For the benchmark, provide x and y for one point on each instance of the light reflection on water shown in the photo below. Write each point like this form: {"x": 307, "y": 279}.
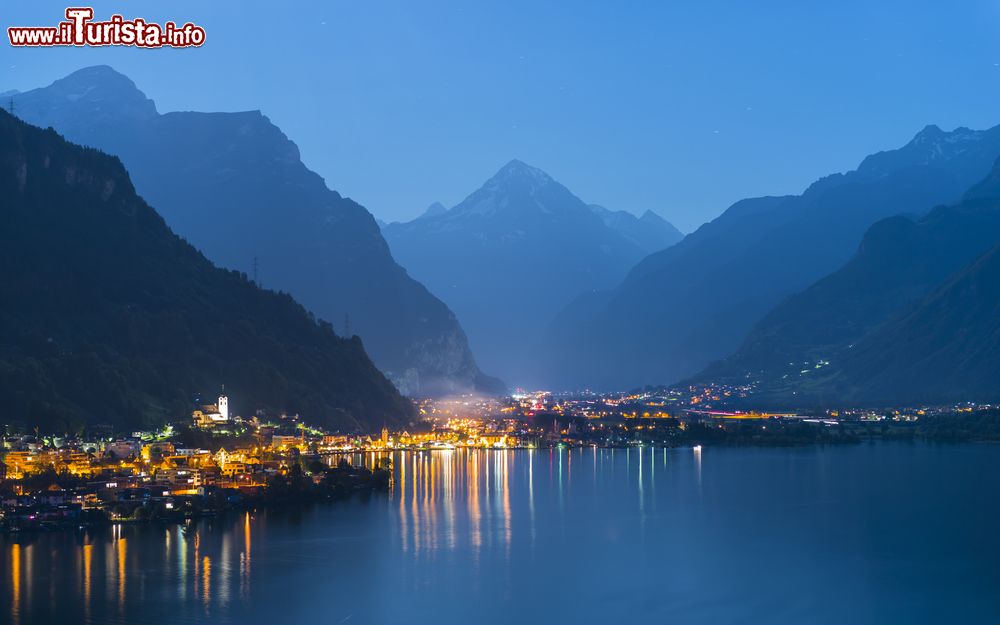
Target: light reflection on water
{"x": 430, "y": 487}
{"x": 97, "y": 571}
{"x": 588, "y": 535}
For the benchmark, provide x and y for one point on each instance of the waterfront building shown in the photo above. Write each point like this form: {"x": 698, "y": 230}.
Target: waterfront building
{"x": 281, "y": 442}
{"x": 181, "y": 479}
{"x": 335, "y": 441}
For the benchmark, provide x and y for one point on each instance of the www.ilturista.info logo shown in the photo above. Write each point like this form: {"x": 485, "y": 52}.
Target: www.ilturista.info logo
{"x": 79, "y": 29}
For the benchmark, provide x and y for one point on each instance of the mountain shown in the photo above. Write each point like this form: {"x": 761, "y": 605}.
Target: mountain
{"x": 695, "y": 302}
{"x": 900, "y": 261}
{"x": 235, "y": 187}
{"x": 510, "y": 256}
{"x": 825, "y": 344}
{"x": 945, "y": 349}
{"x": 650, "y": 232}
{"x": 111, "y": 318}
{"x": 435, "y": 209}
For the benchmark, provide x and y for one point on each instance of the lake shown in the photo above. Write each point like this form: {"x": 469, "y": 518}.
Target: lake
{"x": 870, "y": 533}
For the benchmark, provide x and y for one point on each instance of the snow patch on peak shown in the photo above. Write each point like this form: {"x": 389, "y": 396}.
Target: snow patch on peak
{"x": 933, "y": 136}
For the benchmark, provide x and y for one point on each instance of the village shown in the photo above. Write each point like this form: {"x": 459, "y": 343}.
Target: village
{"x": 215, "y": 461}
{"x": 58, "y": 482}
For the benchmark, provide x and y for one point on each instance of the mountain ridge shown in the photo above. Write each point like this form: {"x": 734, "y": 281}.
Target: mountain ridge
{"x": 119, "y": 321}
{"x": 509, "y": 256}
{"x": 944, "y": 350}
{"x": 682, "y": 308}
{"x": 247, "y": 200}
{"x": 650, "y": 231}
{"x": 900, "y": 260}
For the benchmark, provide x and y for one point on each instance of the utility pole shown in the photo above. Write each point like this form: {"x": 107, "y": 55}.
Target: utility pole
{"x": 255, "y": 271}
{"x": 10, "y": 107}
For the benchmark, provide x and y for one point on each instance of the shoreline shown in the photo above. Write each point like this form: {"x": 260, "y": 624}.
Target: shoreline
{"x": 294, "y": 490}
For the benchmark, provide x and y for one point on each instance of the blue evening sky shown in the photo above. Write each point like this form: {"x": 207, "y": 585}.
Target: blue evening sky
{"x": 682, "y": 107}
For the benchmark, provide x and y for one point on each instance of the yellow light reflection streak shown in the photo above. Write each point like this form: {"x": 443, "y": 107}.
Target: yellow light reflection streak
{"x": 206, "y": 580}
{"x": 413, "y": 507}
{"x": 506, "y": 504}
{"x": 88, "y": 559}
{"x": 121, "y": 547}
{"x": 402, "y": 503}
{"x": 15, "y": 582}
{"x": 474, "y": 512}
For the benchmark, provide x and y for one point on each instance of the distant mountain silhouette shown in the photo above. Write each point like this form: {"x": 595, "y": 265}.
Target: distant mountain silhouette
{"x": 234, "y": 186}
{"x": 695, "y": 302}
{"x": 853, "y": 336}
{"x": 945, "y": 349}
{"x": 900, "y": 261}
{"x": 650, "y": 232}
{"x": 110, "y": 318}
{"x": 437, "y": 208}
{"x": 510, "y": 256}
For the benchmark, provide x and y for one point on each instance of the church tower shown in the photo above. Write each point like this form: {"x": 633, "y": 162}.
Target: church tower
{"x": 224, "y": 407}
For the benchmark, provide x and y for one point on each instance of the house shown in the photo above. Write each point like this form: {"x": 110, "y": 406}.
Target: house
{"x": 122, "y": 449}
{"x": 54, "y": 495}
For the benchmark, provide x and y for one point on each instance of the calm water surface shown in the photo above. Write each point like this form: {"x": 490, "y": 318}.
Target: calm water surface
{"x": 845, "y": 535}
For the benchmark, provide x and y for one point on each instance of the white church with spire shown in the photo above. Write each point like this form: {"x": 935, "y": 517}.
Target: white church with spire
{"x": 214, "y": 415}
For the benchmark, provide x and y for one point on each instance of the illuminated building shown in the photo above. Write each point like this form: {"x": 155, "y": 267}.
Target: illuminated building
{"x": 155, "y": 452}
{"x": 497, "y": 439}
{"x": 21, "y": 463}
{"x": 212, "y": 415}
{"x": 281, "y": 442}
{"x": 331, "y": 441}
